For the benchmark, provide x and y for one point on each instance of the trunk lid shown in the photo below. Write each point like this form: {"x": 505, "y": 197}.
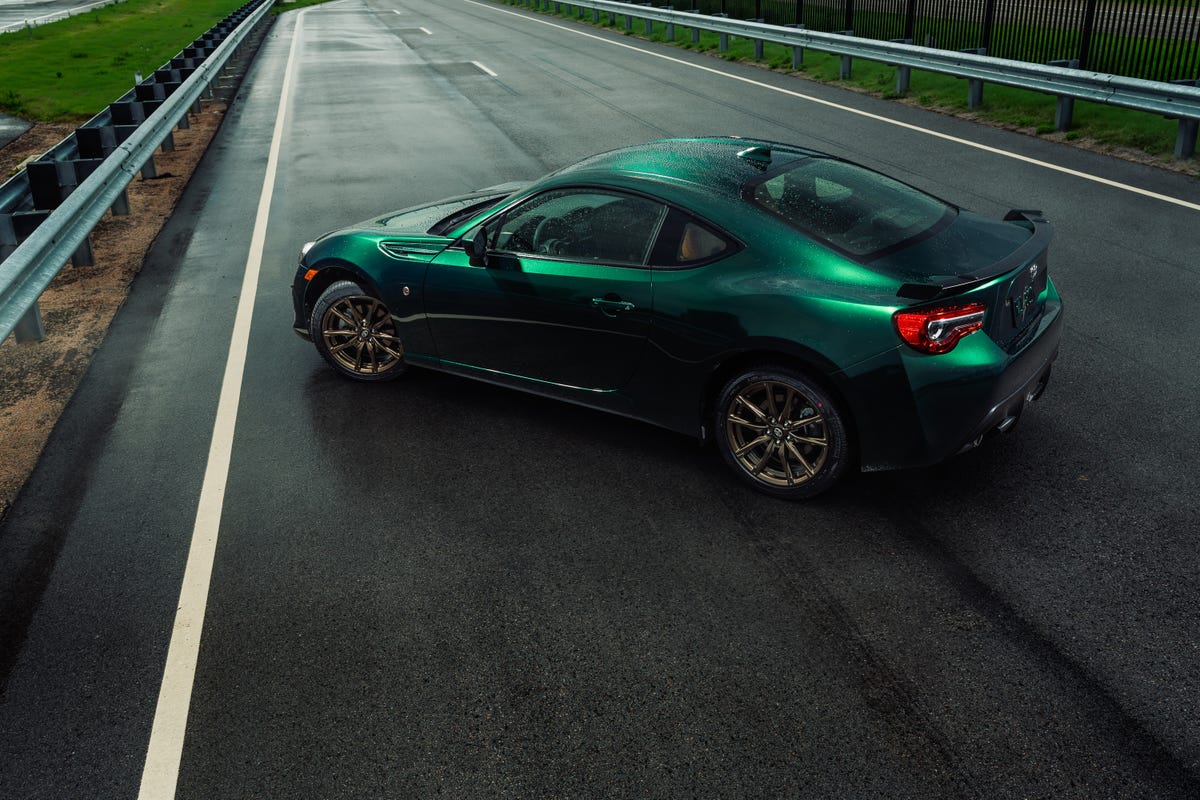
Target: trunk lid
{"x": 1002, "y": 264}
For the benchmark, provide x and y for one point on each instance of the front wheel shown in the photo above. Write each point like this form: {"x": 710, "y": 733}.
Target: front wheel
{"x": 781, "y": 433}
{"x": 356, "y": 334}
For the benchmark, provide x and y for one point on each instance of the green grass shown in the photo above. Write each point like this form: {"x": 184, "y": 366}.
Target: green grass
{"x": 1031, "y": 112}
{"x": 68, "y": 71}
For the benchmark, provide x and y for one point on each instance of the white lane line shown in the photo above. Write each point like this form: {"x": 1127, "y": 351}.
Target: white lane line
{"x": 485, "y": 69}
{"x": 394, "y": 11}
{"x": 161, "y": 771}
{"x": 426, "y": 31}
{"x": 968, "y": 143}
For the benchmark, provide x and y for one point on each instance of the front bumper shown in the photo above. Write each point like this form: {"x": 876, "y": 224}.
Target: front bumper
{"x": 300, "y": 323}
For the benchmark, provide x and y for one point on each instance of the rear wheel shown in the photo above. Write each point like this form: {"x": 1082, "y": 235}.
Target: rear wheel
{"x": 781, "y": 433}
{"x": 354, "y": 332}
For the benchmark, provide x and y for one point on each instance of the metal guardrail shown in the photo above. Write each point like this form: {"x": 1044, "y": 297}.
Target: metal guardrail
{"x": 128, "y": 146}
{"x": 1171, "y": 100}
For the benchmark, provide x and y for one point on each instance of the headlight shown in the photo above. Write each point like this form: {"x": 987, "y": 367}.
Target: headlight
{"x": 304, "y": 250}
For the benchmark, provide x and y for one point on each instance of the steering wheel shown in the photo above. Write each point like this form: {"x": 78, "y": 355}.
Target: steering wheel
{"x": 551, "y": 236}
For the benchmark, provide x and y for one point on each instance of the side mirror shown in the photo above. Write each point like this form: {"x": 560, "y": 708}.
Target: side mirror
{"x": 476, "y": 248}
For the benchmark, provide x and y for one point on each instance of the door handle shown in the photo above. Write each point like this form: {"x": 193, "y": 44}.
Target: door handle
{"x": 607, "y": 305}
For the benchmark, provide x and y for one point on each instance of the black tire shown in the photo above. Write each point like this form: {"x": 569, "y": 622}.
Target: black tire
{"x": 354, "y": 332}
{"x": 781, "y": 432}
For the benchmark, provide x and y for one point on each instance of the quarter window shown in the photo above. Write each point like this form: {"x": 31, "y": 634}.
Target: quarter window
{"x": 699, "y": 244}
{"x": 686, "y": 241}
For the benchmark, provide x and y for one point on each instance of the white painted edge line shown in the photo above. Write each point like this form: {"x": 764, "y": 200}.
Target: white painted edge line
{"x": 425, "y": 31}
{"x": 878, "y": 118}
{"x": 161, "y": 771}
{"x": 394, "y": 11}
{"x": 485, "y": 69}
{"x": 57, "y": 15}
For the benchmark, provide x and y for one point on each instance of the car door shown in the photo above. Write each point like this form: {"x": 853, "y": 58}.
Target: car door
{"x": 565, "y": 297}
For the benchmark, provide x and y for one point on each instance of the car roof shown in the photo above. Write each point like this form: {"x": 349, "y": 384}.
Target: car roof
{"x": 721, "y": 165}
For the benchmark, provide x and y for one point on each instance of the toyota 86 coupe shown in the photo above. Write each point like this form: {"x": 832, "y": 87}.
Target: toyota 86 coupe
{"x": 810, "y": 315}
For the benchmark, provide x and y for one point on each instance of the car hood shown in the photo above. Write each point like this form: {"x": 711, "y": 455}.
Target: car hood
{"x": 420, "y": 218}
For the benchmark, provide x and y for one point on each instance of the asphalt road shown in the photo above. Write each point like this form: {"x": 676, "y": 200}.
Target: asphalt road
{"x": 439, "y": 588}
{"x": 15, "y": 14}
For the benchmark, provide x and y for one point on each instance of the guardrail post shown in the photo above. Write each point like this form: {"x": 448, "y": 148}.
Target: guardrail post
{"x": 1064, "y": 112}
{"x": 133, "y": 113}
{"x": 846, "y": 61}
{"x": 797, "y": 50}
{"x": 99, "y": 143}
{"x": 974, "y": 85}
{"x": 1185, "y": 135}
{"x": 151, "y": 95}
{"x": 14, "y": 229}
{"x": 1185, "y": 138}
{"x": 758, "y": 44}
{"x": 51, "y": 182}
{"x": 722, "y": 38}
{"x": 628, "y": 24}
{"x": 903, "y": 74}
{"x": 29, "y": 327}
{"x": 670, "y": 25}
{"x": 649, "y": 23}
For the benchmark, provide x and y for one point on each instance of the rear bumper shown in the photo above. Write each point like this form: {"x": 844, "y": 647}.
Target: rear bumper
{"x": 926, "y": 409}
{"x": 1004, "y": 415}
{"x": 958, "y": 414}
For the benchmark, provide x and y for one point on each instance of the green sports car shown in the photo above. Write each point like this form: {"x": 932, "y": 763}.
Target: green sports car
{"x": 807, "y": 313}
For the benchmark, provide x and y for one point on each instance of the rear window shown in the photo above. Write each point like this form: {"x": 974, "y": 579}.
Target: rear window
{"x": 858, "y": 211}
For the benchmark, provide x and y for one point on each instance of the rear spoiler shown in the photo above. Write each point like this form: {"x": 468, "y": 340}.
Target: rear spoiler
{"x": 1042, "y": 232}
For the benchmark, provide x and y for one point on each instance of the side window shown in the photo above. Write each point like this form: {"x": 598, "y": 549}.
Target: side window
{"x": 687, "y": 241}
{"x": 699, "y": 244}
{"x": 583, "y": 225}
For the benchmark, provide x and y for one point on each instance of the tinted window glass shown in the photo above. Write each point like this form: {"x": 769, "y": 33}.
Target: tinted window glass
{"x": 854, "y": 209}
{"x": 583, "y": 226}
{"x": 424, "y": 217}
{"x": 445, "y": 226}
{"x": 699, "y": 244}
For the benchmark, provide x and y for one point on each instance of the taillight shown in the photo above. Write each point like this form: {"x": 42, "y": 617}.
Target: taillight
{"x": 937, "y": 330}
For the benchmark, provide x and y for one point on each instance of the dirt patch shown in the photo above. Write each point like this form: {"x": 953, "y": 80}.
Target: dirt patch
{"x": 37, "y": 379}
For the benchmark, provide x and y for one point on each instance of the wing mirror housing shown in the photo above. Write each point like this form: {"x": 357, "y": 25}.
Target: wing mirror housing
{"x": 476, "y": 248}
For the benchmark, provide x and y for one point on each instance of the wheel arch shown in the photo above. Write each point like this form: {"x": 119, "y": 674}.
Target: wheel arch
{"x": 811, "y": 364}
{"x": 329, "y": 272}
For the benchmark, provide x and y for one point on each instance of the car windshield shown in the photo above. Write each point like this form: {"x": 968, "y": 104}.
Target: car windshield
{"x": 858, "y": 211}
{"x": 457, "y": 218}
{"x": 440, "y": 218}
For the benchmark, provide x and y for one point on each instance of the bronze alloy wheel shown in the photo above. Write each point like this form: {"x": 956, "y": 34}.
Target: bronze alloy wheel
{"x": 356, "y": 334}
{"x": 781, "y": 433}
